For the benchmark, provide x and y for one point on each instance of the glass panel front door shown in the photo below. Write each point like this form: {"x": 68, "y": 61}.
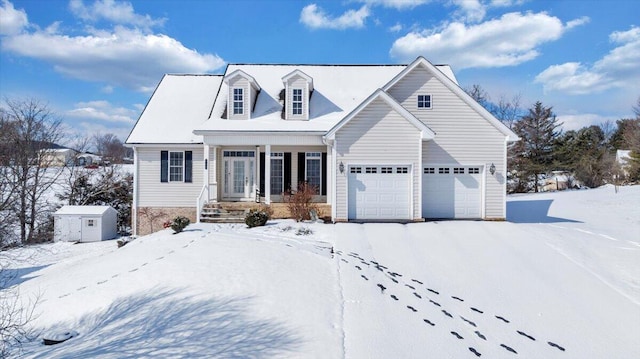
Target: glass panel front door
{"x": 239, "y": 175}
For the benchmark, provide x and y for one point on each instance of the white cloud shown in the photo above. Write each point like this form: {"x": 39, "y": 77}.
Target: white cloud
{"x": 578, "y": 121}
{"x": 315, "y": 18}
{"x": 470, "y": 10}
{"x": 396, "y": 28}
{"x": 12, "y": 21}
{"x": 506, "y": 3}
{"x": 396, "y": 4}
{"x": 619, "y": 68}
{"x": 116, "y": 12}
{"x": 120, "y": 57}
{"x": 103, "y": 111}
{"x": 578, "y": 22}
{"x": 506, "y": 41}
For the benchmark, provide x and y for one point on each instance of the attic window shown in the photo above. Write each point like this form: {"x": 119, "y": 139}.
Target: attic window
{"x": 296, "y": 102}
{"x": 424, "y": 101}
{"x": 238, "y": 101}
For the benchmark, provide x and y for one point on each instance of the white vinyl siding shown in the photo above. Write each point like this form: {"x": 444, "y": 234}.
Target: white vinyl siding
{"x": 462, "y": 135}
{"x": 378, "y": 136}
{"x": 153, "y": 193}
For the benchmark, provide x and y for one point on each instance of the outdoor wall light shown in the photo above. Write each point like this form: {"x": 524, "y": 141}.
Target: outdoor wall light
{"x": 492, "y": 169}
{"x": 341, "y": 167}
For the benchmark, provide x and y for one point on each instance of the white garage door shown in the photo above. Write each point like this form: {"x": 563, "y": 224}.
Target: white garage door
{"x": 379, "y": 192}
{"x": 451, "y": 192}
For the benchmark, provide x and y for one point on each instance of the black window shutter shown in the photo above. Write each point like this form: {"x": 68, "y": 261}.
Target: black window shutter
{"x": 262, "y": 192}
{"x": 164, "y": 166}
{"x": 323, "y": 168}
{"x": 301, "y": 167}
{"x": 188, "y": 166}
{"x": 287, "y": 171}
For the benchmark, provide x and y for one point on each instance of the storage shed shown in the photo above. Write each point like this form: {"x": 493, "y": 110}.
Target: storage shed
{"x": 85, "y": 223}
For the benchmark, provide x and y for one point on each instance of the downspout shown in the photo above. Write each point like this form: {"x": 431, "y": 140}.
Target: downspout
{"x": 334, "y": 195}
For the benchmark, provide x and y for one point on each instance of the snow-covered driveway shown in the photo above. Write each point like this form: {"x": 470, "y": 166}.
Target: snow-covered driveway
{"x": 462, "y": 288}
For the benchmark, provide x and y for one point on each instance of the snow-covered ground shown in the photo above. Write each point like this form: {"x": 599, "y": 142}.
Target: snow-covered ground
{"x": 560, "y": 279}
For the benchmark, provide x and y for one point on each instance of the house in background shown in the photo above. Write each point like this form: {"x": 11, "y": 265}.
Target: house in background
{"x": 622, "y": 159}
{"x": 85, "y": 223}
{"x": 378, "y": 142}
{"x": 56, "y": 157}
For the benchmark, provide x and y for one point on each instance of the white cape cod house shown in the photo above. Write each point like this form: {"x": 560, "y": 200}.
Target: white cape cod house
{"x": 378, "y": 142}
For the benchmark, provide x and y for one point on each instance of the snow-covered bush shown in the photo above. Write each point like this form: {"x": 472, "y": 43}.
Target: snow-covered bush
{"x": 256, "y": 218}
{"x": 179, "y": 224}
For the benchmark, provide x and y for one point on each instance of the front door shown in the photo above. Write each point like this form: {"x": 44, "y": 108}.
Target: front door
{"x": 239, "y": 174}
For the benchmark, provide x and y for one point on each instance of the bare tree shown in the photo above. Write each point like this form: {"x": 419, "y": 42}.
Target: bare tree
{"x": 110, "y": 147}
{"x": 508, "y": 111}
{"x": 30, "y": 130}
{"x": 479, "y": 94}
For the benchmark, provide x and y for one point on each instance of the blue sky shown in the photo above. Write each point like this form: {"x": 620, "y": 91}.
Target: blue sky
{"x": 96, "y": 62}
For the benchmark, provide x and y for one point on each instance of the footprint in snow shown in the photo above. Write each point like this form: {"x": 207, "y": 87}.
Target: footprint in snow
{"x": 434, "y": 303}
{"x": 417, "y": 295}
{"x": 65, "y": 295}
{"x": 474, "y": 351}
{"x": 115, "y": 275}
{"x": 159, "y": 258}
{"x": 525, "y": 335}
{"x": 193, "y": 240}
{"x": 508, "y": 348}
{"x": 344, "y": 260}
{"x": 363, "y": 276}
{"x": 102, "y": 281}
{"x": 433, "y": 291}
{"x": 447, "y": 313}
{"x": 144, "y": 264}
{"x": 394, "y": 280}
{"x": 555, "y": 345}
{"x": 428, "y": 322}
{"x": 501, "y": 318}
{"x": 410, "y": 286}
{"x": 81, "y": 288}
{"x": 477, "y": 310}
{"x": 365, "y": 263}
{"x": 382, "y": 288}
{"x": 133, "y": 270}
{"x": 412, "y": 308}
{"x": 394, "y": 297}
{"x": 480, "y": 335}
{"x": 468, "y": 321}
{"x": 376, "y": 263}
{"x": 416, "y": 281}
{"x": 457, "y": 335}
{"x": 457, "y": 298}
{"x": 358, "y": 267}
{"x": 185, "y": 246}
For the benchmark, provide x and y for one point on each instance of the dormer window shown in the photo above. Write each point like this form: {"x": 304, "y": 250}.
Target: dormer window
{"x": 424, "y": 102}
{"x": 238, "y": 101}
{"x": 298, "y": 87}
{"x": 296, "y": 102}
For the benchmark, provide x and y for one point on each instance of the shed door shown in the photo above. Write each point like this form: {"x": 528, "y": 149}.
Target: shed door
{"x": 379, "y": 192}
{"x": 74, "y": 229}
{"x": 451, "y": 192}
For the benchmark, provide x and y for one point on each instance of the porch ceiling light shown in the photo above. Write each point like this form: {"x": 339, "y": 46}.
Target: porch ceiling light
{"x": 492, "y": 169}
{"x": 341, "y": 167}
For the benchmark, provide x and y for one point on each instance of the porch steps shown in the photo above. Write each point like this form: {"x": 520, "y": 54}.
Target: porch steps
{"x": 216, "y": 213}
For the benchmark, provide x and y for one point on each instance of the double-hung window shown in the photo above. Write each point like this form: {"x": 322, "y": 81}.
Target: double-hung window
{"x": 277, "y": 173}
{"x": 313, "y": 169}
{"x": 238, "y": 101}
{"x": 424, "y": 101}
{"x": 176, "y": 166}
{"x": 296, "y": 102}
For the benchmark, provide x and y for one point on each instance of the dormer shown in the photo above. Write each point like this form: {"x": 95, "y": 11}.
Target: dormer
{"x": 243, "y": 92}
{"x": 298, "y": 87}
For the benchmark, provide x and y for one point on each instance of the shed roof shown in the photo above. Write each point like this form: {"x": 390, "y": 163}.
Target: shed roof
{"x": 80, "y": 210}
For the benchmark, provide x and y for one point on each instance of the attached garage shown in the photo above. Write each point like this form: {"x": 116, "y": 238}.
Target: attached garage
{"x": 452, "y": 191}
{"x": 379, "y": 192}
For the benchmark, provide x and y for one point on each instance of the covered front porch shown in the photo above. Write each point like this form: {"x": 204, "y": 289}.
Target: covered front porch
{"x": 263, "y": 174}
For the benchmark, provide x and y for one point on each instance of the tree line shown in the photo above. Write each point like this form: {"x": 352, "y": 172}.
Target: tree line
{"x": 588, "y": 154}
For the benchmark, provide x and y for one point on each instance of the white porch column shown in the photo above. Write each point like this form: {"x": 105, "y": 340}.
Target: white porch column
{"x": 207, "y": 163}
{"x": 267, "y": 174}
{"x": 213, "y": 169}
{"x": 136, "y": 175}
{"x": 330, "y": 173}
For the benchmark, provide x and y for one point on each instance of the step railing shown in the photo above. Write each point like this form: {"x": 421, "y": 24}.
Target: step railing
{"x": 203, "y": 198}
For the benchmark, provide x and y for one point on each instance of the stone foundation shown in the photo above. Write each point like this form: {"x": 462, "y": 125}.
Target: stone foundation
{"x": 151, "y": 219}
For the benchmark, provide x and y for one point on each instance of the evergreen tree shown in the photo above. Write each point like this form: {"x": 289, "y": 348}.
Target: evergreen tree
{"x": 533, "y": 154}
